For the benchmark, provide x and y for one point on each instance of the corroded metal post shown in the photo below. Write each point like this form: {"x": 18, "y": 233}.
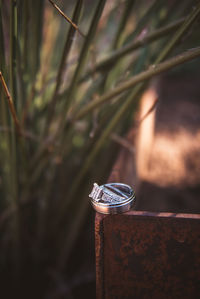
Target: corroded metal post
{"x": 147, "y": 255}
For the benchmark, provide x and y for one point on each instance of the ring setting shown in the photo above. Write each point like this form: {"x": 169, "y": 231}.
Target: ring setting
{"x": 112, "y": 198}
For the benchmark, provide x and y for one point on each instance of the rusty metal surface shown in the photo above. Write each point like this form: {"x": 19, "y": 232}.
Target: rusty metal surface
{"x": 148, "y": 255}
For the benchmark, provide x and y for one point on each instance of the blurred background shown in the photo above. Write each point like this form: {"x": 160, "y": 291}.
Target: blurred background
{"x": 86, "y": 86}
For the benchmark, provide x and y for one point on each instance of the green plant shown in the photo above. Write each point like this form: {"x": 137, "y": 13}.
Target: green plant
{"x": 62, "y": 95}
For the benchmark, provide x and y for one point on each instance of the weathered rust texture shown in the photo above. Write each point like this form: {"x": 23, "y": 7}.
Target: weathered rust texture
{"x": 148, "y": 255}
{"x": 99, "y": 234}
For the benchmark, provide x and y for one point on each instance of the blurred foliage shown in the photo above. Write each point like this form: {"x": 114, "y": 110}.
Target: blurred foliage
{"x": 71, "y": 89}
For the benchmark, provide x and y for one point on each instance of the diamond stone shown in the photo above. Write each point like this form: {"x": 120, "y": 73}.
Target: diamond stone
{"x": 96, "y": 193}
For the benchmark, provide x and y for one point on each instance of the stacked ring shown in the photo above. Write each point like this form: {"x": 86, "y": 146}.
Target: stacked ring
{"x": 112, "y": 198}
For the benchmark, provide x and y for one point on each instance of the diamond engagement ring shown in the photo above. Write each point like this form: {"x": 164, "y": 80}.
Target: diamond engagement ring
{"x": 112, "y": 198}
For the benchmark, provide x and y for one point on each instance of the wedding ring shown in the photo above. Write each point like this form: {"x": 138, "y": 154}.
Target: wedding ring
{"x": 112, "y": 198}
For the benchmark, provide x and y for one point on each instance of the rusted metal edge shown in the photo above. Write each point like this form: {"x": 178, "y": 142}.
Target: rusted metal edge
{"x": 163, "y": 214}
{"x": 99, "y": 241}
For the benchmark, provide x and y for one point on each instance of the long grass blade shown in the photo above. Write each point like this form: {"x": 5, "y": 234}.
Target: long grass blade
{"x": 5, "y": 138}
{"x": 127, "y": 11}
{"x": 66, "y": 50}
{"x": 13, "y": 150}
{"x": 145, "y": 18}
{"x": 2, "y": 48}
{"x": 115, "y": 56}
{"x": 11, "y": 105}
{"x": 3, "y": 112}
{"x": 152, "y": 71}
{"x": 36, "y": 10}
{"x": 82, "y": 59}
{"x": 177, "y": 36}
{"x": 72, "y": 22}
{"x": 13, "y": 50}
